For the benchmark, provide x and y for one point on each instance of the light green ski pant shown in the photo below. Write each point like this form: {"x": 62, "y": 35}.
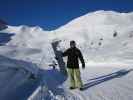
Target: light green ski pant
{"x": 75, "y": 78}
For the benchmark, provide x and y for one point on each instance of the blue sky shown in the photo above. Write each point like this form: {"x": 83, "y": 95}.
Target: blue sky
{"x": 51, "y": 14}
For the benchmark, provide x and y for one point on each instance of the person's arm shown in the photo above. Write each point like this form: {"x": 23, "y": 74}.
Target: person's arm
{"x": 65, "y": 53}
{"x": 81, "y": 59}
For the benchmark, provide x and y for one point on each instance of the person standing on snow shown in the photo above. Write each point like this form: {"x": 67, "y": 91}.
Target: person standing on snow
{"x": 74, "y": 54}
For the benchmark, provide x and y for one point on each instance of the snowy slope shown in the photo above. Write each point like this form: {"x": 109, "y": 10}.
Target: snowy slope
{"x": 104, "y": 37}
{"x": 94, "y": 34}
{"x": 107, "y": 83}
{"x": 101, "y": 35}
{"x": 15, "y": 81}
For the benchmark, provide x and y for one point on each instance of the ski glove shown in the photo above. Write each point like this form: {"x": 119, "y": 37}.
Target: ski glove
{"x": 83, "y": 66}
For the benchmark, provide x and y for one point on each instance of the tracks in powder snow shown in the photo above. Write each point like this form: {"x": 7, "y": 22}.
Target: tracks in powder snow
{"x": 77, "y": 94}
{"x": 73, "y": 95}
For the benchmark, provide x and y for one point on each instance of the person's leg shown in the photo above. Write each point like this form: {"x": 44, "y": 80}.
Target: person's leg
{"x": 77, "y": 78}
{"x": 71, "y": 77}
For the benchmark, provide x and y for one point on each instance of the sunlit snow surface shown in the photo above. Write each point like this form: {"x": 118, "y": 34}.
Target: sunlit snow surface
{"x": 105, "y": 39}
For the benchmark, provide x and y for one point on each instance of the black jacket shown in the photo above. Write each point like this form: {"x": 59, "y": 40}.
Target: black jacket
{"x": 74, "y": 54}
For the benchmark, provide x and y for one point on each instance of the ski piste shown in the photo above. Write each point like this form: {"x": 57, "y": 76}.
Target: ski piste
{"x": 75, "y": 94}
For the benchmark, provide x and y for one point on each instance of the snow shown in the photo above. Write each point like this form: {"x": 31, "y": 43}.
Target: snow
{"x": 109, "y": 83}
{"x": 15, "y": 78}
{"x": 105, "y": 39}
{"x": 87, "y": 31}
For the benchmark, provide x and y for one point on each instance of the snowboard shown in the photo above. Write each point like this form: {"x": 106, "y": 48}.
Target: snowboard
{"x": 58, "y": 57}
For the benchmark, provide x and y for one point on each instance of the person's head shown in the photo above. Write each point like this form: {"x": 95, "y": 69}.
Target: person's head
{"x": 72, "y": 44}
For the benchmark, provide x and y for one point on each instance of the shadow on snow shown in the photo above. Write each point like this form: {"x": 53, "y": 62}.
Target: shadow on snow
{"x": 4, "y": 38}
{"x": 54, "y": 78}
{"x": 17, "y": 85}
{"x": 101, "y": 79}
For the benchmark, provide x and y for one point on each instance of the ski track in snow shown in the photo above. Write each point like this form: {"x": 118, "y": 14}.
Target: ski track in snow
{"x": 116, "y": 88}
{"x": 74, "y": 95}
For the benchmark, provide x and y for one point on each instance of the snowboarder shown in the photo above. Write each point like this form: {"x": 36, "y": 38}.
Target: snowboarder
{"x": 73, "y": 54}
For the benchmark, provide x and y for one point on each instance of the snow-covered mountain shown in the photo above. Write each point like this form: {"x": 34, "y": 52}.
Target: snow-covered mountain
{"x": 104, "y": 37}
{"x": 3, "y": 25}
{"x": 101, "y": 35}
